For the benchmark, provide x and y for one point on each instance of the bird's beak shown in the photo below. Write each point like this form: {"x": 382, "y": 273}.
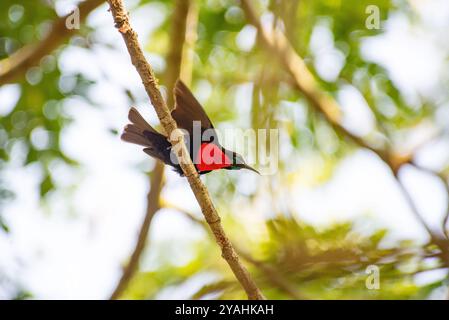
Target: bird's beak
{"x": 245, "y": 166}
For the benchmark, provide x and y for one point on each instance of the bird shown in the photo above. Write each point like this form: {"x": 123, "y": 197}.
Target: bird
{"x": 207, "y": 154}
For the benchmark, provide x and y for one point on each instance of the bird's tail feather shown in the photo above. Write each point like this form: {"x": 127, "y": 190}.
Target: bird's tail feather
{"x": 135, "y": 132}
{"x": 136, "y": 119}
{"x": 130, "y": 135}
{"x": 142, "y": 133}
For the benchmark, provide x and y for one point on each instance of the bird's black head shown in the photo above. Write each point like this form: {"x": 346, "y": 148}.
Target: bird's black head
{"x": 239, "y": 163}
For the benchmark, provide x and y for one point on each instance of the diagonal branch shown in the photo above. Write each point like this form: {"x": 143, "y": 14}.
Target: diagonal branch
{"x": 270, "y": 273}
{"x": 202, "y": 195}
{"x": 19, "y": 62}
{"x": 442, "y": 179}
{"x": 414, "y": 209}
{"x": 183, "y": 21}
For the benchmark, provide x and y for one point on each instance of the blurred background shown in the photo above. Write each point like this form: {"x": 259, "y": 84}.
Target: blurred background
{"x": 84, "y": 215}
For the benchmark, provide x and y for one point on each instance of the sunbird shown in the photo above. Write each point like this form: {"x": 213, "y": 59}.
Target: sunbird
{"x": 206, "y": 152}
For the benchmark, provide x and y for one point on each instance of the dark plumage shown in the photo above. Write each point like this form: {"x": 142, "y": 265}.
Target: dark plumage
{"x": 187, "y": 110}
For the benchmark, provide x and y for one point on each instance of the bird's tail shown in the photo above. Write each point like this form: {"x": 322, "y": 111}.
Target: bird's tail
{"x": 140, "y": 132}
{"x": 135, "y": 131}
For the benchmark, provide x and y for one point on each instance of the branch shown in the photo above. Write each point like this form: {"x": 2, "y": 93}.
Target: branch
{"x": 210, "y": 213}
{"x": 153, "y": 206}
{"x": 269, "y": 272}
{"x": 176, "y": 58}
{"x": 414, "y": 209}
{"x": 19, "y": 62}
{"x": 278, "y": 45}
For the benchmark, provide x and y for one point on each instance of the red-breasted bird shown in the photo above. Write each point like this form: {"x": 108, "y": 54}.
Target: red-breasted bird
{"x": 205, "y": 151}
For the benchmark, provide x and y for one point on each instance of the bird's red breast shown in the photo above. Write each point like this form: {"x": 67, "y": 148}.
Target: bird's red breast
{"x": 211, "y": 157}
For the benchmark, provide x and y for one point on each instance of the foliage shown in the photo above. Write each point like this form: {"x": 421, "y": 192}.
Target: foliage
{"x": 328, "y": 263}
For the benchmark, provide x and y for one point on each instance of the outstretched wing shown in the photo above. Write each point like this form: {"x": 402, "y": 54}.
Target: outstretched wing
{"x": 188, "y": 109}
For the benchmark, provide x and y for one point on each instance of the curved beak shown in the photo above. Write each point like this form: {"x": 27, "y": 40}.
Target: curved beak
{"x": 245, "y": 166}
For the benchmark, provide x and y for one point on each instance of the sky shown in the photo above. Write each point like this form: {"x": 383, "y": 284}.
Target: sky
{"x": 73, "y": 245}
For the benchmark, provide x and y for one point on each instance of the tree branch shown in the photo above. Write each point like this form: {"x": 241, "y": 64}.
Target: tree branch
{"x": 19, "y": 62}
{"x": 442, "y": 179}
{"x": 176, "y": 58}
{"x": 269, "y": 272}
{"x": 210, "y": 213}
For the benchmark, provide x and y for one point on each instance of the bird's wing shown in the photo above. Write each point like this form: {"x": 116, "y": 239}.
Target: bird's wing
{"x": 188, "y": 109}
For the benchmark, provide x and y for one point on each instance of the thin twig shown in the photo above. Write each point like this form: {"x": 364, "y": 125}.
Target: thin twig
{"x": 18, "y": 63}
{"x": 202, "y": 195}
{"x": 442, "y": 179}
{"x": 413, "y": 207}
